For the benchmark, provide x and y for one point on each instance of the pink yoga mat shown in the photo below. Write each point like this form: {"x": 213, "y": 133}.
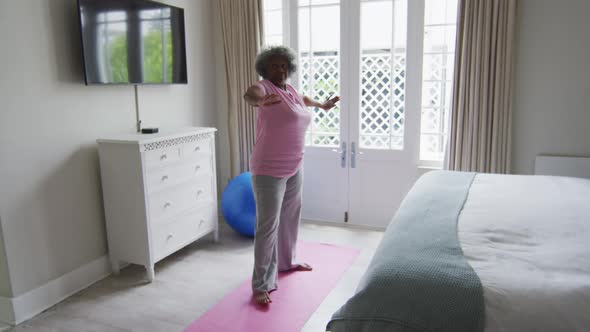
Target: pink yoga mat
{"x": 297, "y": 298}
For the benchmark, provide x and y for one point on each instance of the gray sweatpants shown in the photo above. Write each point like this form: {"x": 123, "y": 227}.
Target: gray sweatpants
{"x": 278, "y": 211}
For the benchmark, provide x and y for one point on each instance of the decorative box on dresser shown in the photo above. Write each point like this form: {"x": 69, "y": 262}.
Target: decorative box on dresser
{"x": 160, "y": 193}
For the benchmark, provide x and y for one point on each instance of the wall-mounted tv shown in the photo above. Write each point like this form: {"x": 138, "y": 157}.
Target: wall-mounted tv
{"x": 132, "y": 42}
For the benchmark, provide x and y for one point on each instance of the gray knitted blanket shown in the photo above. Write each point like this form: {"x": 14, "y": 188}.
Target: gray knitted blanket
{"x": 418, "y": 279}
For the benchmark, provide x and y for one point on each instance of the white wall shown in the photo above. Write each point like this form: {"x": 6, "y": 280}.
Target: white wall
{"x": 5, "y": 290}
{"x": 551, "y": 108}
{"x": 51, "y": 204}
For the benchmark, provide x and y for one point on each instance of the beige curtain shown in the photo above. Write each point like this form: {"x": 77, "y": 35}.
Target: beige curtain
{"x": 482, "y": 92}
{"x": 242, "y": 33}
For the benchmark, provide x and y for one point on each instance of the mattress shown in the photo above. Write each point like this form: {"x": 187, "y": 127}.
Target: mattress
{"x": 528, "y": 240}
{"x": 525, "y": 239}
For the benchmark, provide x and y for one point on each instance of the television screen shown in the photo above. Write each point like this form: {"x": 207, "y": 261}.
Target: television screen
{"x": 132, "y": 42}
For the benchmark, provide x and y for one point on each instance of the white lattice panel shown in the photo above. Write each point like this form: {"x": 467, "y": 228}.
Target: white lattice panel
{"x": 431, "y": 120}
{"x": 434, "y": 120}
{"x": 319, "y": 78}
{"x": 382, "y": 101}
{"x": 433, "y": 67}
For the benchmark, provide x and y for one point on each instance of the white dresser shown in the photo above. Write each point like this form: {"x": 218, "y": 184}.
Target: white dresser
{"x": 160, "y": 193}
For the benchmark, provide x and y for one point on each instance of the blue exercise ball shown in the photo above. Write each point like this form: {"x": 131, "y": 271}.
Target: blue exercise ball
{"x": 238, "y": 205}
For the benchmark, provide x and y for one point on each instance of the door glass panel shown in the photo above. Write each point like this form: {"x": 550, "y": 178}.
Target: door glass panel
{"x": 273, "y": 22}
{"x": 319, "y": 61}
{"x": 440, "y": 18}
{"x": 383, "y": 71}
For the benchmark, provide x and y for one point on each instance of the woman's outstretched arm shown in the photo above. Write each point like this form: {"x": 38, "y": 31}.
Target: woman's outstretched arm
{"x": 255, "y": 97}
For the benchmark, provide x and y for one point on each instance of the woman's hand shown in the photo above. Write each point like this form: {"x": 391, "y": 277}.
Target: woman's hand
{"x": 330, "y": 103}
{"x": 270, "y": 99}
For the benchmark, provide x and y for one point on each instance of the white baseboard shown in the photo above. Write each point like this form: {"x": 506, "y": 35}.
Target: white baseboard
{"x": 6, "y": 312}
{"x": 33, "y": 302}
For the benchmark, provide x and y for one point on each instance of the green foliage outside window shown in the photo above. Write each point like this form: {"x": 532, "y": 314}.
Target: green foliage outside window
{"x": 324, "y": 123}
{"x": 118, "y": 59}
{"x": 152, "y": 62}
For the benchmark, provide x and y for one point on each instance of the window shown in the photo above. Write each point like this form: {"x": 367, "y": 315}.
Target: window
{"x": 112, "y": 35}
{"x": 273, "y": 22}
{"x": 437, "y": 77}
{"x": 319, "y": 66}
{"x": 383, "y": 49}
{"x": 383, "y": 71}
{"x": 156, "y": 35}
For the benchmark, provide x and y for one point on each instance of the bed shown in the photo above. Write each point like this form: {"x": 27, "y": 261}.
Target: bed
{"x": 479, "y": 252}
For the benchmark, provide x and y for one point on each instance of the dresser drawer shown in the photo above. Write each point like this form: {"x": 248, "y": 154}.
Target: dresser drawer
{"x": 171, "y": 236}
{"x": 161, "y": 178}
{"x": 162, "y": 157}
{"x": 170, "y": 202}
{"x": 196, "y": 149}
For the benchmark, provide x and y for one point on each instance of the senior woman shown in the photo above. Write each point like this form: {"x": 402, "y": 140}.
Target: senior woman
{"x": 276, "y": 163}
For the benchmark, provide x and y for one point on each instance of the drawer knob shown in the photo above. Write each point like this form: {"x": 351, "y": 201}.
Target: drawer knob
{"x": 164, "y": 157}
{"x": 167, "y": 204}
{"x": 169, "y": 236}
{"x": 201, "y": 222}
{"x": 165, "y": 177}
{"x": 198, "y": 167}
{"x": 197, "y": 148}
{"x": 199, "y": 192}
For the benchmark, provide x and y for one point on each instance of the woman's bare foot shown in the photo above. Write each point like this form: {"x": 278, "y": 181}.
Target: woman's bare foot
{"x": 302, "y": 267}
{"x": 262, "y": 298}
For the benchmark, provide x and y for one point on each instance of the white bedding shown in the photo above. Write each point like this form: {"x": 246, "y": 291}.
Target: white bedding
{"x": 528, "y": 239}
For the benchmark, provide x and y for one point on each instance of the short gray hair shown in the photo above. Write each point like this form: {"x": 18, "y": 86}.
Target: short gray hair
{"x": 272, "y": 52}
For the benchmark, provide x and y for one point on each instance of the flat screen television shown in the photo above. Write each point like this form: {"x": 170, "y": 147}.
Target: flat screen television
{"x": 132, "y": 42}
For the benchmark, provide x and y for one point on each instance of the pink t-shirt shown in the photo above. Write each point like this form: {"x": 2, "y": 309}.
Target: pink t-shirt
{"x": 280, "y": 133}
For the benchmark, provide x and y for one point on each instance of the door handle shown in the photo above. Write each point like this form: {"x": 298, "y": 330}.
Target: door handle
{"x": 343, "y": 155}
{"x": 352, "y": 155}
{"x": 342, "y": 152}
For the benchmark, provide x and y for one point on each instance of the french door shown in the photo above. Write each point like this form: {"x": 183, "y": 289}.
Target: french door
{"x": 361, "y": 157}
